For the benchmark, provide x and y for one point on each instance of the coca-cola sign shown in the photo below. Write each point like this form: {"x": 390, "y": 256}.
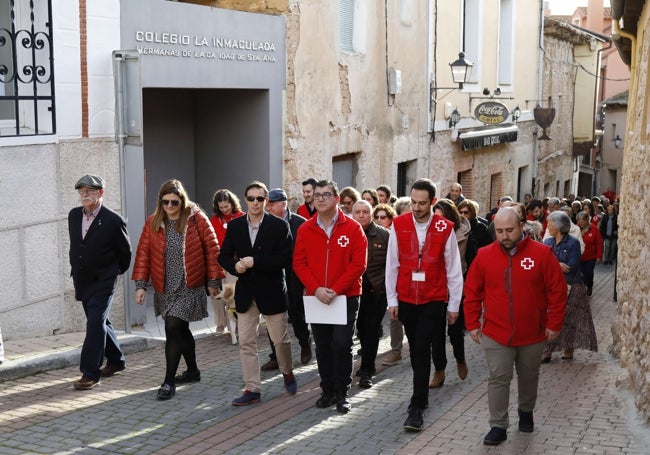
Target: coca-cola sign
{"x": 491, "y": 112}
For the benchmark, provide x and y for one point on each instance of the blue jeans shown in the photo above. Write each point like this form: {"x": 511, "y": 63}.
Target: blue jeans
{"x": 334, "y": 351}
{"x": 100, "y": 338}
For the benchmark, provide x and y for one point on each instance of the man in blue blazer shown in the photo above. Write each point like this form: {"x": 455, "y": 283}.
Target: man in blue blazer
{"x": 100, "y": 251}
{"x": 257, "y": 249}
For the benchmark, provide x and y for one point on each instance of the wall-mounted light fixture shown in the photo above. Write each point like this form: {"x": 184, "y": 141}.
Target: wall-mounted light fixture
{"x": 516, "y": 113}
{"x": 454, "y": 118}
{"x": 460, "y": 72}
{"x": 617, "y": 141}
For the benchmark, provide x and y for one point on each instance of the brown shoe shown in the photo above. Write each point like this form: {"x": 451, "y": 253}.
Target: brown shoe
{"x": 438, "y": 379}
{"x": 568, "y": 354}
{"x": 305, "y": 354}
{"x": 462, "y": 370}
{"x": 271, "y": 365}
{"x": 110, "y": 370}
{"x": 392, "y": 358}
{"x": 85, "y": 383}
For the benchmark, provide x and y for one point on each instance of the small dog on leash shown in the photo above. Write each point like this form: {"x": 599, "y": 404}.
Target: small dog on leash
{"x": 227, "y": 295}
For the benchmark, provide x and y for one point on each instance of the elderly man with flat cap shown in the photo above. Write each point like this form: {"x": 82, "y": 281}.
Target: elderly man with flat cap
{"x": 100, "y": 251}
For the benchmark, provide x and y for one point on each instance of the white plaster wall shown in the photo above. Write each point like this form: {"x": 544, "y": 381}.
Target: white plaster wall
{"x": 65, "y": 17}
{"x": 103, "y": 24}
{"x": 37, "y": 188}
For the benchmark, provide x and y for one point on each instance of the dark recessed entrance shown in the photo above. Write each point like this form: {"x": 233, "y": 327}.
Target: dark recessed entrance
{"x": 207, "y": 138}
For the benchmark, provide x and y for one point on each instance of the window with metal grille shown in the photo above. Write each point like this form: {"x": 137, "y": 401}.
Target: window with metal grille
{"x": 346, "y": 25}
{"x": 26, "y": 68}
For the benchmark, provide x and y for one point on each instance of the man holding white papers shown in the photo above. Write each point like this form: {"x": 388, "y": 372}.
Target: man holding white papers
{"x": 329, "y": 259}
{"x": 424, "y": 284}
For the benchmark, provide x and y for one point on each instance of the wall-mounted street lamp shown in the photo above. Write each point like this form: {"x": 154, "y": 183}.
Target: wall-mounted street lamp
{"x": 460, "y": 72}
{"x": 516, "y": 113}
{"x": 454, "y": 118}
{"x": 461, "y": 69}
{"x": 617, "y": 141}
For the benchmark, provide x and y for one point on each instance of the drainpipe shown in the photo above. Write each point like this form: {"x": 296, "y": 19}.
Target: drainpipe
{"x": 540, "y": 76}
{"x": 120, "y": 136}
{"x": 623, "y": 34}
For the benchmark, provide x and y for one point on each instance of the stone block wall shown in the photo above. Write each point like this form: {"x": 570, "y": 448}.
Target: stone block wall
{"x": 37, "y": 183}
{"x": 631, "y": 331}
{"x": 555, "y": 157}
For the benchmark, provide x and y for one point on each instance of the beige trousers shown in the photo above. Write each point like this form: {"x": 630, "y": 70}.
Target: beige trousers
{"x": 277, "y": 325}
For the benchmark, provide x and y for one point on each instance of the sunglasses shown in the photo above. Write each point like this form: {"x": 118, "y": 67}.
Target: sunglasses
{"x": 172, "y": 202}
{"x": 253, "y": 198}
{"x": 381, "y": 217}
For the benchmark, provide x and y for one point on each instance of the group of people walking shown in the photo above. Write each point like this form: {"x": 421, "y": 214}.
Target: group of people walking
{"x": 429, "y": 261}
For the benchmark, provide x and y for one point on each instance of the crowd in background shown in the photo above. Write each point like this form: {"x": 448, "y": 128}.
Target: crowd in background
{"x": 368, "y": 250}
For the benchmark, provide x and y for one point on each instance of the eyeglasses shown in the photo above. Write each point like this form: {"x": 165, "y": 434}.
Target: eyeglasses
{"x": 323, "y": 196}
{"x": 381, "y": 217}
{"x": 464, "y": 212}
{"x": 253, "y": 198}
{"x": 172, "y": 202}
{"x": 85, "y": 189}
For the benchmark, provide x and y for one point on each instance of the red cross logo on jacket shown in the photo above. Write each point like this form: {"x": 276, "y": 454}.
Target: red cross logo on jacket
{"x": 343, "y": 241}
{"x": 527, "y": 263}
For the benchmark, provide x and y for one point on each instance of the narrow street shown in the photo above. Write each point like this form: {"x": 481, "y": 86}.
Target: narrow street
{"x": 579, "y": 408}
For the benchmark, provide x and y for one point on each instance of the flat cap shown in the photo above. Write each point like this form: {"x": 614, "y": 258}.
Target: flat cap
{"x": 90, "y": 181}
{"x": 277, "y": 194}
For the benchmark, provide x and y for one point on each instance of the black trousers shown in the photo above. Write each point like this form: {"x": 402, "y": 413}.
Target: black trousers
{"x": 424, "y": 326}
{"x": 334, "y": 351}
{"x": 456, "y": 332}
{"x": 371, "y": 313}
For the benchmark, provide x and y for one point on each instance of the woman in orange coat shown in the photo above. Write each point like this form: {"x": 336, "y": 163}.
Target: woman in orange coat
{"x": 178, "y": 251}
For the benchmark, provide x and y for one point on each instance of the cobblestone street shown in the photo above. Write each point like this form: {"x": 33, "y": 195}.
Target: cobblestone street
{"x": 579, "y": 408}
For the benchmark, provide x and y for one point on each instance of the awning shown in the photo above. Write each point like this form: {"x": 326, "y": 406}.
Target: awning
{"x": 488, "y": 136}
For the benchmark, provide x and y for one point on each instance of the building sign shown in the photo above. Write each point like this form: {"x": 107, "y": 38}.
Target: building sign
{"x": 491, "y": 112}
{"x": 488, "y": 136}
{"x": 186, "y": 45}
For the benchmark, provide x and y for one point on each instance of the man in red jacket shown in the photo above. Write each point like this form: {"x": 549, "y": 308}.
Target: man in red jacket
{"x": 424, "y": 284}
{"x": 517, "y": 287}
{"x": 329, "y": 258}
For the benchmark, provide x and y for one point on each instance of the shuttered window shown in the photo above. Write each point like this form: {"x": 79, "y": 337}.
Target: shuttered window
{"x": 346, "y": 25}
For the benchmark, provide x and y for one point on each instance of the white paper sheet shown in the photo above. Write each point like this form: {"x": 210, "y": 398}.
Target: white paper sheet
{"x": 319, "y": 313}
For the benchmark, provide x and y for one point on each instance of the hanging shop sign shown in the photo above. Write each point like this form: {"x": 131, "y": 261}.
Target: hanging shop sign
{"x": 491, "y": 113}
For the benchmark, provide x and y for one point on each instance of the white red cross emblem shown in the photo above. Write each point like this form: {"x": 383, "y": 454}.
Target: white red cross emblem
{"x": 343, "y": 241}
{"x": 440, "y": 226}
{"x": 527, "y": 263}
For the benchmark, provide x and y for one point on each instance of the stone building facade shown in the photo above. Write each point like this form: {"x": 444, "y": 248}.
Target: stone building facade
{"x": 571, "y": 61}
{"x": 338, "y": 118}
{"x": 631, "y": 334}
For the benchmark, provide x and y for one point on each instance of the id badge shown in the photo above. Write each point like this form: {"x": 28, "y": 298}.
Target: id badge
{"x": 417, "y": 276}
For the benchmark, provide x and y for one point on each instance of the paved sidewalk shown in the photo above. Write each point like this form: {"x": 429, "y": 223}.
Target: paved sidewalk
{"x": 579, "y": 409}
